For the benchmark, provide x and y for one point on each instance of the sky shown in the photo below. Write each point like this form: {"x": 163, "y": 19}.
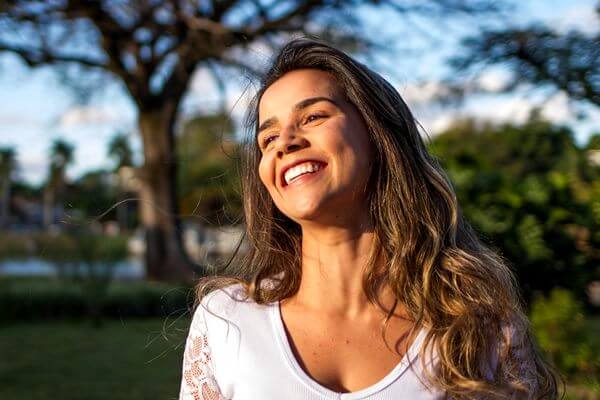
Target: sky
{"x": 35, "y": 107}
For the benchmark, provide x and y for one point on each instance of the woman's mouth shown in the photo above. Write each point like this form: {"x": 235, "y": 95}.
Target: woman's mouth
{"x": 302, "y": 171}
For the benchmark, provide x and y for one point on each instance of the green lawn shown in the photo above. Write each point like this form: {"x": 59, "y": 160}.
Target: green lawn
{"x": 130, "y": 359}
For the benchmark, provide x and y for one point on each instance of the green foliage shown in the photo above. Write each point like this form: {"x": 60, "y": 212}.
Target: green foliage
{"x": 8, "y": 162}
{"x": 83, "y": 259}
{"x": 93, "y": 195}
{"x": 64, "y": 247}
{"x": 93, "y": 247}
{"x": 208, "y": 179}
{"x": 560, "y": 329}
{"x": 61, "y": 156}
{"x": 532, "y": 194}
{"x": 46, "y": 299}
{"x": 593, "y": 142}
{"x": 120, "y": 151}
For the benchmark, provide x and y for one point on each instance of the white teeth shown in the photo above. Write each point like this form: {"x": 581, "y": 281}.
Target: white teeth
{"x": 307, "y": 167}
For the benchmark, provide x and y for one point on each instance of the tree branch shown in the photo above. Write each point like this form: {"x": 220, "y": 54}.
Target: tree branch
{"x": 35, "y": 57}
{"x": 220, "y": 8}
{"x": 303, "y": 9}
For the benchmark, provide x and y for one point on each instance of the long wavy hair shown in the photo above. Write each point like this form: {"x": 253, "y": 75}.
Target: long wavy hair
{"x": 447, "y": 279}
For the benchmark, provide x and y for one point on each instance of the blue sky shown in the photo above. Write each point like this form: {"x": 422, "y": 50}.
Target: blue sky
{"x": 35, "y": 107}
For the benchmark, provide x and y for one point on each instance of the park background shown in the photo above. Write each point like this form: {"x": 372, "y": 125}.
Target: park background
{"x": 120, "y": 127}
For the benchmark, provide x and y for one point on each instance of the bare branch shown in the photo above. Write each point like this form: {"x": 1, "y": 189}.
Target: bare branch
{"x": 246, "y": 67}
{"x": 220, "y": 8}
{"x": 303, "y": 9}
{"x": 569, "y": 62}
{"x": 34, "y": 57}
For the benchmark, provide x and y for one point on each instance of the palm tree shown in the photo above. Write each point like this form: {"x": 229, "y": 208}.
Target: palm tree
{"x": 61, "y": 155}
{"x": 120, "y": 151}
{"x": 8, "y": 165}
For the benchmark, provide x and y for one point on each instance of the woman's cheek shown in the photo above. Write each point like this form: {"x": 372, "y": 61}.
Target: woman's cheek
{"x": 266, "y": 173}
{"x": 262, "y": 174}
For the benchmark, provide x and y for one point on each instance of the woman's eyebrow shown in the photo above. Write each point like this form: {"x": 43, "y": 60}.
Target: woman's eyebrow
{"x": 297, "y": 107}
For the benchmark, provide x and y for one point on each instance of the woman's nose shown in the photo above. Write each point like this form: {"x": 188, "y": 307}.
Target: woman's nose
{"x": 289, "y": 142}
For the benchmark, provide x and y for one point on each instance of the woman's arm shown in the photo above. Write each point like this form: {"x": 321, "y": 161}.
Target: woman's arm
{"x": 519, "y": 362}
{"x": 197, "y": 381}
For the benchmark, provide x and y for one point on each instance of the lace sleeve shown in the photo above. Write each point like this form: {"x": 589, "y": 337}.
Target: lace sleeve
{"x": 520, "y": 365}
{"x": 197, "y": 381}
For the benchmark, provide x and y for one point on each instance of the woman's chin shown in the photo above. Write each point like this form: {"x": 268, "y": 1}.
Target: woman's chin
{"x": 304, "y": 210}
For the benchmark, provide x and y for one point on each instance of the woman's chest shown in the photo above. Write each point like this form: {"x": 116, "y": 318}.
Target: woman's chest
{"x": 346, "y": 356}
{"x": 254, "y": 359}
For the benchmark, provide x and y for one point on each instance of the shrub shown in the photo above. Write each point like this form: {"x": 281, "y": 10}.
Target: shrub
{"x": 47, "y": 298}
{"x": 63, "y": 247}
{"x": 560, "y": 329}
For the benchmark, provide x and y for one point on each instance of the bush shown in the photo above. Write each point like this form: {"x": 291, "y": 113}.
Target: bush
{"x": 63, "y": 247}
{"x": 560, "y": 329}
{"x": 47, "y": 298}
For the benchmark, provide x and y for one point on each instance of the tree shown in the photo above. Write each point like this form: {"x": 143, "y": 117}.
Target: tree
{"x": 153, "y": 47}
{"x": 529, "y": 191}
{"x": 61, "y": 155}
{"x": 8, "y": 165}
{"x": 120, "y": 151}
{"x": 208, "y": 178}
{"x": 539, "y": 55}
{"x": 93, "y": 195}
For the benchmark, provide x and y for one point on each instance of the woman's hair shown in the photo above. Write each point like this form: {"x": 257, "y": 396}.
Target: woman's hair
{"x": 447, "y": 279}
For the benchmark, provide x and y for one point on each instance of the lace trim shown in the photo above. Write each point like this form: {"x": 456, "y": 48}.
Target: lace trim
{"x": 198, "y": 382}
{"x": 520, "y": 364}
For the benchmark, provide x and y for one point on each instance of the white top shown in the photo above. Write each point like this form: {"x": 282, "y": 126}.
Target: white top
{"x": 239, "y": 350}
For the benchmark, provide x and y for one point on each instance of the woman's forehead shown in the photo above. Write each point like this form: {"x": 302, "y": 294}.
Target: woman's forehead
{"x": 294, "y": 87}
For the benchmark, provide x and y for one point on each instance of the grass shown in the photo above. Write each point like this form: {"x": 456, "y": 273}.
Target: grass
{"x": 130, "y": 359}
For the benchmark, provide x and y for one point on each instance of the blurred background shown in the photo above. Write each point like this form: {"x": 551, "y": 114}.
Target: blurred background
{"x": 120, "y": 127}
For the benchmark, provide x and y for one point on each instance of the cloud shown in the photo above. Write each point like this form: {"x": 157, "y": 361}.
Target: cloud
{"x": 493, "y": 80}
{"x": 32, "y": 166}
{"x": 579, "y": 17}
{"x": 14, "y": 119}
{"x": 423, "y": 92}
{"x": 90, "y": 115}
{"x": 513, "y": 107}
{"x": 203, "y": 83}
{"x": 557, "y": 109}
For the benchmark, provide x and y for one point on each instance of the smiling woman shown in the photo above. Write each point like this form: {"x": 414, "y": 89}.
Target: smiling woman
{"x": 363, "y": 279}
{"x": 315, "y": 150}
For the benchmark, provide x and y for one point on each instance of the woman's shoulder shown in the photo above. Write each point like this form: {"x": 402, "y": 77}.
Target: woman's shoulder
{"x": 231, "y": 292}
{"x": 223, "y": 300}
{"x": 231, "y": 302}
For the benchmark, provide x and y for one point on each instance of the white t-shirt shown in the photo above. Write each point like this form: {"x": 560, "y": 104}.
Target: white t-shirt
{"x": 239, "y": 350}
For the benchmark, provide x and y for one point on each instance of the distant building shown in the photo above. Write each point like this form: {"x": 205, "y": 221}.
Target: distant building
{"x": 205, "y": 245}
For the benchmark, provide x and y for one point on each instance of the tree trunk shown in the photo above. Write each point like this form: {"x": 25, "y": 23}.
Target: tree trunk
{"x": 5, "y": 211}
{"x": 48, "y": 207}
{"x": 166, "y": 259}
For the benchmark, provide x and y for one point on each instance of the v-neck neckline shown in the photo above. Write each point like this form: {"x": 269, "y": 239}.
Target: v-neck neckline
{"x": 286, "y": 348}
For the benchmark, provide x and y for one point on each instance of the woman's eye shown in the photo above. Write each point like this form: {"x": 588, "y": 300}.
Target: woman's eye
{"x": 268, "y": 140}
{"x": 313, "y": 117}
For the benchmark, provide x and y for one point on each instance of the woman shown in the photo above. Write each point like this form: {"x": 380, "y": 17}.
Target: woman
{"x": 362, "y": 279}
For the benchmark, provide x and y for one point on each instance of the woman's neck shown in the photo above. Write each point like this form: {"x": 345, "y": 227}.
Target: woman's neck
{"x": 333, "y": 264}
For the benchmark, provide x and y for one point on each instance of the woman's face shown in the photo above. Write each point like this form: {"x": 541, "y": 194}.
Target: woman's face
{"x": 315, "y": 149}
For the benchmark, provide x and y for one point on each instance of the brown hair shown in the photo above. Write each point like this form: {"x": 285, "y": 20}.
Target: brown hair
{"x": 449, "y": 281}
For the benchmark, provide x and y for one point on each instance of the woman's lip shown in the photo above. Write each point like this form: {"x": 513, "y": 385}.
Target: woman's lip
{"x": 284, "y": 170}
{"x": 304, "y": 177}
